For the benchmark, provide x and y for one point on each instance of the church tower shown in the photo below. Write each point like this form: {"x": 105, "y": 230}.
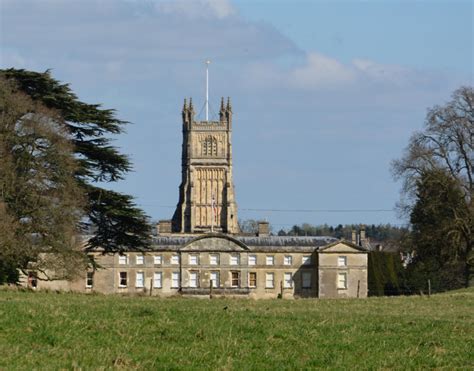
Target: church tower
{"x": 206, "y": 194}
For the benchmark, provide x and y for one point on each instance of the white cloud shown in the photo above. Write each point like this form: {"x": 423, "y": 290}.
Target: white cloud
{"x": 137, "y": 35}
{"x": 197, "y": 8}
{"x": 321, "y": 71}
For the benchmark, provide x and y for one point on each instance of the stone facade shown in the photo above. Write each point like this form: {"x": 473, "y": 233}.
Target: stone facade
{"x": 206, "y": 194}
{"x": 200, "y": 251}
{"x": 254, "y": 267}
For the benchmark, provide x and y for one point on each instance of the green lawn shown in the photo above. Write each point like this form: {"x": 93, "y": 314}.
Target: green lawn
{"x": 72, "y": 331}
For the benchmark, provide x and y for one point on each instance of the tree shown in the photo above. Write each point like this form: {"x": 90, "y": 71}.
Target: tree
{"x": 438, "y": 241}
{"x": 249, "y": 226}
{"x": 437, "y": 173}
{"x": 117, "y": 223}
{"x": 40, "y": 201}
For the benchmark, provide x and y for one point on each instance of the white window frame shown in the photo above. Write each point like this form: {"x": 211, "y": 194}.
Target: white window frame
{"x": 252, "y": 260}
{"x": 234, "y": 259}
{"x": 270, "y": 260}
{"x": 216, "y": 280}
{"x": 214, "y": 259}
{"x": 342, "y": 261}
{"x": 175, "y": 259}
{"x": 306, "y": 260}
{"x": 89, "y": 275}
{"x": 305, "y": 283}
{"x": 139, "y": 284}
{"x": 287, "y": 260}
{"x": 342, "y": 284}
{"x": 120, "y": 279}
{"x": 140, "y": 259}
{"x": 157, "y": 280}
{"x": 157, "y": 260}
{"x": 123, "y": 259}
{"x": 287, "y": 280}
{"x": 193, "y": 259}
{"x": 231, "y": 279}
{"x": 269, "y": 280}
{"x": 175, "y": 280}
{"x": 194, "y": 279}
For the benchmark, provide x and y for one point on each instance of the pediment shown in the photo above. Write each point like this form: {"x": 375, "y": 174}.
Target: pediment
{"x": 214, "y": 243}
{"x": 342, "y": 247}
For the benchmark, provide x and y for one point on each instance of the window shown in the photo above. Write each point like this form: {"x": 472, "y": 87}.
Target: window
{"x": 193, "y": 259}
{"x": 193, "y": 279}
{"x": 209, "y": 146}
{"x": 234, "y": 260}
{"x": 32, "y": 280}
{"x": 342, "y": 281}
{"x": 235, "y": 279}
{"x": 288, "y": 260}
{"x": 175, "y": 280}
{"x": 123, "y": 279}
{"x": 215, "y": 279}
{"x": 140, "y": 259}
{"x": 342, "y": 261}
{"x": 157, "y": 276}
{"x": 90, "y": 279}
{"x": 157, "y": 260}
{"x": 123, "y": 259}
{"x": 270, "y": 260}
{"x": 253, "y": 279}
{"x": 175, "y": 259}
{"x": 306, "y": 280}
{"x": 288, "y": 281}
{"x": 252, "y": 259}
{"x": 269, "y": 280}
{"x": 214, "y": 259}
{"x": 140, "y": 279}
{"x": 306, "y": 259}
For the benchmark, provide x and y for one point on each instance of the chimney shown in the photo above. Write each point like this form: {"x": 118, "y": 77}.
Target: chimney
{"x": 263, "y": 229}
{"x": 362, "y": 235}
{"x": 354, "y": 236}
{"x": 163, "y": 227}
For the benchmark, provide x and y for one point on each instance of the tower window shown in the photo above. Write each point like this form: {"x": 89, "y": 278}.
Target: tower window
{"x": 209, "y": 146}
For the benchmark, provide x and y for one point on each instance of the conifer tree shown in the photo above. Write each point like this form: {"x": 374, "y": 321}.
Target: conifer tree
{"x": 117, "y": 223}
{"x": 40, "y": 201}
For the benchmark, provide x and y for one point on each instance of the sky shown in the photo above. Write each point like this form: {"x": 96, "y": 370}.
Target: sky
{"x": 325, "y": 94}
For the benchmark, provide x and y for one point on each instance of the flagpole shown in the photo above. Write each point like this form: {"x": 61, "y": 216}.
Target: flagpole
{"x": 207, "y": 89}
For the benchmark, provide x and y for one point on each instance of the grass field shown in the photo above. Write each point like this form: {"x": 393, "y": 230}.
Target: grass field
{"x": 72, "y": 331}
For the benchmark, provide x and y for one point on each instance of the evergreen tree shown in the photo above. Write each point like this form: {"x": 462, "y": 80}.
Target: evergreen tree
{"x": 40, "y": 200}
{"x": 437, "y": 236}
{"x": 117, "y": 223}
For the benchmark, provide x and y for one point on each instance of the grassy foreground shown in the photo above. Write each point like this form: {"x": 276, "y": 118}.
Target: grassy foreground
{"x": 72, "y": 331}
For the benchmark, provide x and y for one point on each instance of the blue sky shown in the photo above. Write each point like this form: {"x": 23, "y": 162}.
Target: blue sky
{"x": 325, "y": 93}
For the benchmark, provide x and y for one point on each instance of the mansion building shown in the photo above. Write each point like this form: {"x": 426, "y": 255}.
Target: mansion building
{"x": 200, "y": 250}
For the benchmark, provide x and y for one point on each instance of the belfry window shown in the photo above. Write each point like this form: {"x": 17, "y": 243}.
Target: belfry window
{"x": 209, "y": 146}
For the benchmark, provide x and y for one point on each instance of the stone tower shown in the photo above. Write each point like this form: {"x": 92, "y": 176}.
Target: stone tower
{"x": 206, "y": 194}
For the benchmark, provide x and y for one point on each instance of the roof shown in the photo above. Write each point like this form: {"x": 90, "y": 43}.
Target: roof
{"x": 251, "y": 243}
{"x": 345, "y": 242}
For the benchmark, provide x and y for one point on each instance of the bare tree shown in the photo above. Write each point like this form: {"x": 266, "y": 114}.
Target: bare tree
{"x": 445, "y": 146}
